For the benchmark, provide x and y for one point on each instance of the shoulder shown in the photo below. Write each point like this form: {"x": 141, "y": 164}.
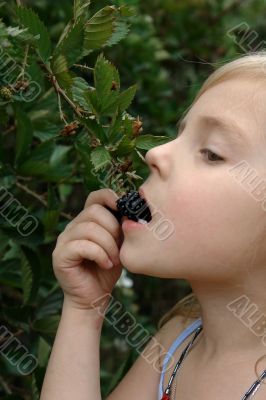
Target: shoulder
{"x": 172, "y": 329}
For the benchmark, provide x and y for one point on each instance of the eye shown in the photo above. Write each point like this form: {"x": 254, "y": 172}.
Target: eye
{"x": 214, "y": 156}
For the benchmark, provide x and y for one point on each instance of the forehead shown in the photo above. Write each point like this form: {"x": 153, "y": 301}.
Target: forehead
{"x": 239, "y": 99}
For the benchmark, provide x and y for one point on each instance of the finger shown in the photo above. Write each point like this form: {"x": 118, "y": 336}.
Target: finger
{"x": 100, "y": 215}
{"x": 93, "y": 232}
{"x": 105, "y": 197}
{"x": 78, "y": 250}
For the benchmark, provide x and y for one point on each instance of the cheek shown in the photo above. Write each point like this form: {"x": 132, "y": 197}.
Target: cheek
{"x": 213, "y": 223}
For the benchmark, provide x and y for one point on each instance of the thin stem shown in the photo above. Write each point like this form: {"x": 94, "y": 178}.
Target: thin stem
{"x": 22, "y": 73}
{"x": 60, "y": 91}
{"x": 5, "y": 385}
{"x": 40, "y": 198}
{"x": 62, "y": 117}
{"x": 9, "y": 129}
{"x": 83, "y": 67}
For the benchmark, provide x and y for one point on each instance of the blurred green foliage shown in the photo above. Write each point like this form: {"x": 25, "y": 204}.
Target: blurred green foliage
{"x": 65, "y": 114}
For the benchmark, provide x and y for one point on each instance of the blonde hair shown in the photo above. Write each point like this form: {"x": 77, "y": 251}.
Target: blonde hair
{"x": 249, "y": 65}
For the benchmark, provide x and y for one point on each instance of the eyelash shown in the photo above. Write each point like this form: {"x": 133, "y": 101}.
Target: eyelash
{"x": 211, "y": 152}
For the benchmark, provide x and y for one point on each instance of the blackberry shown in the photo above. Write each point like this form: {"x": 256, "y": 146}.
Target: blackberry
{"x": 132, "y": 206}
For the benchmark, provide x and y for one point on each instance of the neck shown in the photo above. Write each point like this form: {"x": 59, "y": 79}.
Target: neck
{"x": 233, "y": 319}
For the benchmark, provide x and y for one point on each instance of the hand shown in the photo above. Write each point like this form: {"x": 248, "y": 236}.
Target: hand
{"x": 83, "y": 249}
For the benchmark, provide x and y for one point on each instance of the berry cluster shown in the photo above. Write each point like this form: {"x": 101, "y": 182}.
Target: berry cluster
{"x": 132, "y": 206}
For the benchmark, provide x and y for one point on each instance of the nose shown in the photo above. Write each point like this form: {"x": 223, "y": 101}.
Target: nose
{"x": 158, "y": 159}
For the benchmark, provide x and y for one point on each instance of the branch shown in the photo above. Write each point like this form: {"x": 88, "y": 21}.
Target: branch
{"x": 40, "y": 198}
{"x": 5, "y": 385}
{"x": 60, "y": 91}
{"x": 83, "y": 67}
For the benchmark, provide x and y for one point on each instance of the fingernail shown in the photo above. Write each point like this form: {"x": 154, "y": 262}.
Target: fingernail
{"x": 109, "y": 264}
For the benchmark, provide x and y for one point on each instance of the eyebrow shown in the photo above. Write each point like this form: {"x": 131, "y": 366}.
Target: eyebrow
{"x": 234, "y": 132}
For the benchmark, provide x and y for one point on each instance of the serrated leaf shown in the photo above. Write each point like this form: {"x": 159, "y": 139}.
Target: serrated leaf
{"x": 94, "y": 128}
{"x": 79, "y": 7}
{"x": 71, "y": 46}
{"x": 78, "y": 90}
{"x": 111, "y": 103}
{"x": 15, "y": 30}
{"x": 27, "y": 278}
{"x": 99, "y": 157}
{"x": 30, "y": 283}
{"x": 59, "y": 64}
{"x": 103, "y": 78}
{"x": 126, "y": 97}
{"x": 127, "y": 11}
{"x": 36, "y": 27}
{"x": 91, "y": 99}
{"x": 125, "y": 146}
{"x": 99, "y": 28}
{"x": 120, "y": 31}
{"x": 24, "y": 134}
{"x": 115, "y": 128}
{"x": 147, "y": 142}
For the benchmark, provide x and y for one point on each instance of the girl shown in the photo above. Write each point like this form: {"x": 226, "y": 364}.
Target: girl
{"x": 208, "y": 185}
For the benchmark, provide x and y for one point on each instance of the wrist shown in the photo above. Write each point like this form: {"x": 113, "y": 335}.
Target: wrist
{"x": 82, "y": 315}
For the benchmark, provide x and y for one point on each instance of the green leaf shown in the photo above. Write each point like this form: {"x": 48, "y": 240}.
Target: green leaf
{"x": 147, "y": 142}
{"x": 111, "y": 103}
{"x": 127, "y": 11}
{"x": 50, "y": 220}
{"x": 103, "y": 78}
{"x": 27, "y": 278}
{"x": 120, "y": 31}
{"x": 79, "y": 7}
{"x": 125, "y": 146}
{"x": 92, "y": 101}
{"x": 71, "y": 46}
{"x": 36, "y": 27}
{"x": 43, "y": 151}
{"x": 115, "y": 128}
{"x": 24, "y": 136}
{"x": 59, "y": 64}
{"x": 44, "y": 170}
{"x": 94, "y": 128}
{"x": 78, "y": 89}
{"x": 47, "y": 325}
{"x": 44, "y": 349}
{"x": 9, "y": 273}
{"x": 30, "y": 273}
{"x": 99, "y": 28}
{"x": 126, "y": 97}
{"x": 99, "y": 157}
{"x": 59, "y": 154}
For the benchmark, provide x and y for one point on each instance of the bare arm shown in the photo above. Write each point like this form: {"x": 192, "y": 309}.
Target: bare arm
{"x": 74, "y": 367}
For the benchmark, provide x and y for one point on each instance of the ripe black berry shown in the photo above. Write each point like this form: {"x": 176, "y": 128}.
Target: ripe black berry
{"x": 132, "y": 206}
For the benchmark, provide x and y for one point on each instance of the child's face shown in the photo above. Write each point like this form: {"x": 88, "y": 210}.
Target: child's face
{"x": 215, "y": 218}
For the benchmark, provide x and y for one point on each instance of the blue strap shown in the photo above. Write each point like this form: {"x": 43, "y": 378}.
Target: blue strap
{"x": 178, "y": 341}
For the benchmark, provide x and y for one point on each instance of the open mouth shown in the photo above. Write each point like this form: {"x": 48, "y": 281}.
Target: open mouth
{"x": 134, "y": 207}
